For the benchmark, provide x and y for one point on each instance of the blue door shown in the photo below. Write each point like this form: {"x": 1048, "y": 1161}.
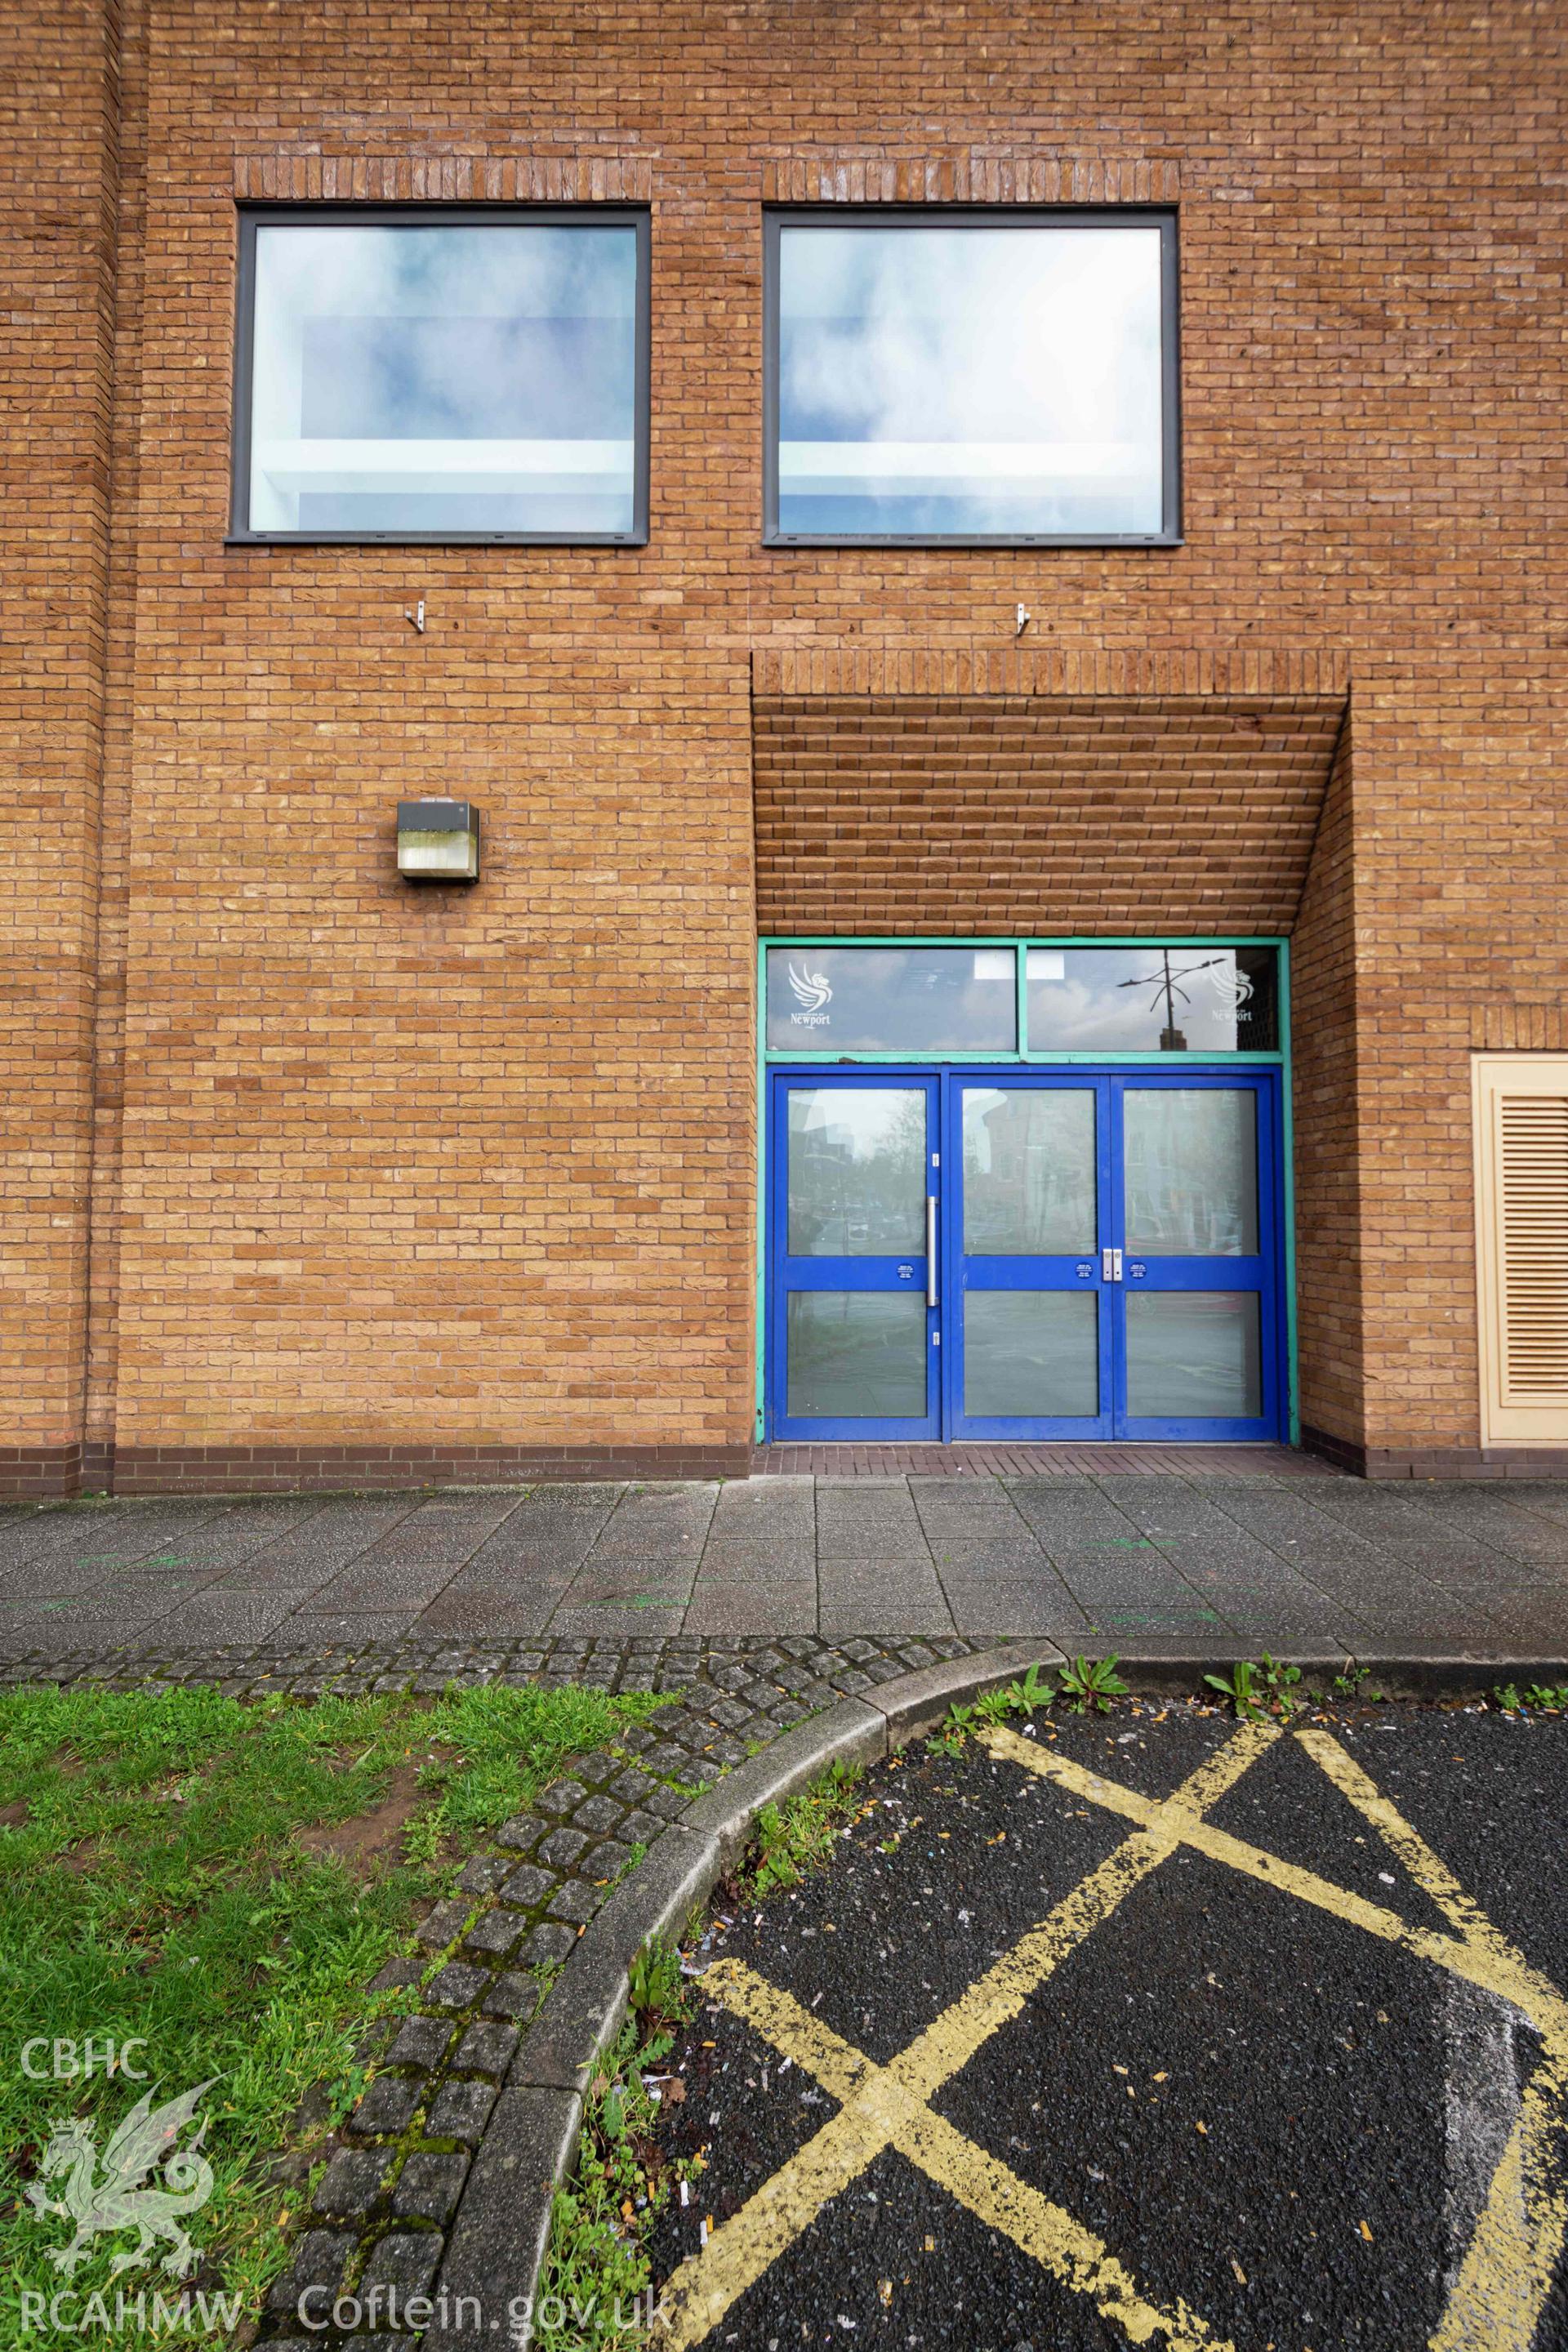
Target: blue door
{"x": 1029, "y": 1351}
{"x": 1025, "y": 1254}
{"x": 852, "y": 1341}
{"x": 1194, "y": 1163}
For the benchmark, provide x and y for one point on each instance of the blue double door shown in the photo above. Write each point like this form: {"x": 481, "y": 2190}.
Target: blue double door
{"x": 968, "y": 1253}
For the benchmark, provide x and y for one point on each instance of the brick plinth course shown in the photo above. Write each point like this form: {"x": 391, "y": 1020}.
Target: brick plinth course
{"x": 302, "y": 1167}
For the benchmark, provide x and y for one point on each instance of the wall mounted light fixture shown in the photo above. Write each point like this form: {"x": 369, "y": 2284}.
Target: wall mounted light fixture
{"x": 438, "y": 841}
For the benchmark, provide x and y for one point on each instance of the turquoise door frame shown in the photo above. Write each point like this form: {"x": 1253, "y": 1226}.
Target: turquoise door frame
{"x": 1166, "y": 1062}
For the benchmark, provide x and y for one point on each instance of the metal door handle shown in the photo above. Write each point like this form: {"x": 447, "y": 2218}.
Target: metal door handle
{"x": 1111, "y": 1265}
{"x": 931, "y": 1249}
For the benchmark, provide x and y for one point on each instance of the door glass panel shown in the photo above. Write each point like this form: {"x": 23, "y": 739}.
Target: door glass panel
{"x": 1194, "y": 1355}
{"x": 1201, "y": 999}
{"x": 856, "y": 1172}
{"x": 1192, "y": 1171}
{"x": 1034, "y": 1353}
{"x": 1028, "y": 1172}
{"x": 856, "y": 1355}
{"x": 849, "y": 999}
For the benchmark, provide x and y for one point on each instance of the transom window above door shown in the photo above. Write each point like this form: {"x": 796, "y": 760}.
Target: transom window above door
{"x": 839, "y": 999}
{"x": 972, "y": 377}
{"x": 442, "y": 372}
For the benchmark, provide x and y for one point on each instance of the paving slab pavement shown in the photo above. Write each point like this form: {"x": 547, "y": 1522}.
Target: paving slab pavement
{"x": 1114, "y": 1560}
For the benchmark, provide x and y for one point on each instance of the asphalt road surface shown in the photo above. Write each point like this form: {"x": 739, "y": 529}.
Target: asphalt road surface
{"x": 1041, "y": 2063}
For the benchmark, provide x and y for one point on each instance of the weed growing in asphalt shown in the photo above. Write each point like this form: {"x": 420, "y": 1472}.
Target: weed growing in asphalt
{"x": 1026, "y": 1698}
{"x": 789, "y": 1838}
{"x": 218, "y": 1883}
{"x": 958, "y": 1726}
{"x": 1089, "y": 1684}
{"x": 1239, "y": 1688}
{"x": 1351, "y": 1684}
{"x": 1257, "y": 1690}
{"x": 1540, "y": 1698}
{"x": 654, "y": 1987}
{"x": 1279, "y": 1682}
{"x": 596, "y": 2268}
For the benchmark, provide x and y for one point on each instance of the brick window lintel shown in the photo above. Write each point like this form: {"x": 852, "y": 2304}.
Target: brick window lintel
{"x": 583, "y": 178}
{"x": 958, "y": 176}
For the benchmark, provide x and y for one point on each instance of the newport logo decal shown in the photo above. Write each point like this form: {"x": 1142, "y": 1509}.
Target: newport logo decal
{"x": 1234, "y": 987}
{"x": 120, "y": 2196}
{"x": 813, "y": 993}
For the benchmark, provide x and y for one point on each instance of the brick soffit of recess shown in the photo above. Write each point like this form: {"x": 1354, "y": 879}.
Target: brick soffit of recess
{"x": 1300, "y": 672}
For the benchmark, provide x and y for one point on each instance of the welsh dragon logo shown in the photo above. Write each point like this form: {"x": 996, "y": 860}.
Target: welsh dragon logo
{"x": 119, "y": 2195}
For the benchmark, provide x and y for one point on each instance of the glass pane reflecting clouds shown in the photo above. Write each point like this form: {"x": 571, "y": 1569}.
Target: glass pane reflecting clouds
{"x": 856, "y": 1355}
{"x": 856, "y": 1172}
{"x": 1192, "y": 1171}
{"x": 1029, "y": 1186}
{"x": 1198, "y": 999}
{"x": 964, "y": 381}
{"x": 825, "y": 1000}
{"x": 1031, "y": 1354}
{"x": 1194, "y": 1355}
{"x": 447, "y": 378}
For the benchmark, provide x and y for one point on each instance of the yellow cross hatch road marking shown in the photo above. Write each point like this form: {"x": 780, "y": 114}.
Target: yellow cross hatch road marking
{"x": 737, "y": 2254}
{"x": 1484, "y": 1961}
{"x": 1507, "y": 2272}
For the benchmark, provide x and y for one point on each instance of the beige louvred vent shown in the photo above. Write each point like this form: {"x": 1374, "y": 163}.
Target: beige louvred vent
{"x": 1522, "y": 1204}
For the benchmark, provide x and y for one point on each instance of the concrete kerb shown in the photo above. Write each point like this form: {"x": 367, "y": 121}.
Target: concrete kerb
{"x": 498, "y": 2260}
{"x": 1155, "y": 1671}
{"x": 500, "y": 2232}
{"x": 1476, "y": 1675}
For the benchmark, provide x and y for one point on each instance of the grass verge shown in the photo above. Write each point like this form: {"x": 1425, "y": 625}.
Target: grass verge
{"x": 215, "y": 1885}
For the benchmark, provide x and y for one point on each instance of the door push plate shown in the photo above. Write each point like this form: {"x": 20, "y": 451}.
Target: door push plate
{"x": 1111, "y": 1265}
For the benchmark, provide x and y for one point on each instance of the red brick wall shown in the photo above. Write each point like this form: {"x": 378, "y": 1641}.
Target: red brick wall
{"x": 399, "y": 1168}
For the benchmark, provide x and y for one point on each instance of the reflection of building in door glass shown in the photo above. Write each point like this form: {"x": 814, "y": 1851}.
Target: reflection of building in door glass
{"x": 1029, "y": 1185}
{"x": 856, "y": 1172}
{"x": 1191, "y": 1171}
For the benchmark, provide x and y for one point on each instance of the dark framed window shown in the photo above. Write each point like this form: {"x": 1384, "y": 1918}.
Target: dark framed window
{"x": 454, "y": 373}
{"x": 971, "y": 378}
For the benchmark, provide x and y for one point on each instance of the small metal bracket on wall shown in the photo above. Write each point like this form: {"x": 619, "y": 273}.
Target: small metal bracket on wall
{"x": 1024, "y": 617}
{"x": 416, "y": 618}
